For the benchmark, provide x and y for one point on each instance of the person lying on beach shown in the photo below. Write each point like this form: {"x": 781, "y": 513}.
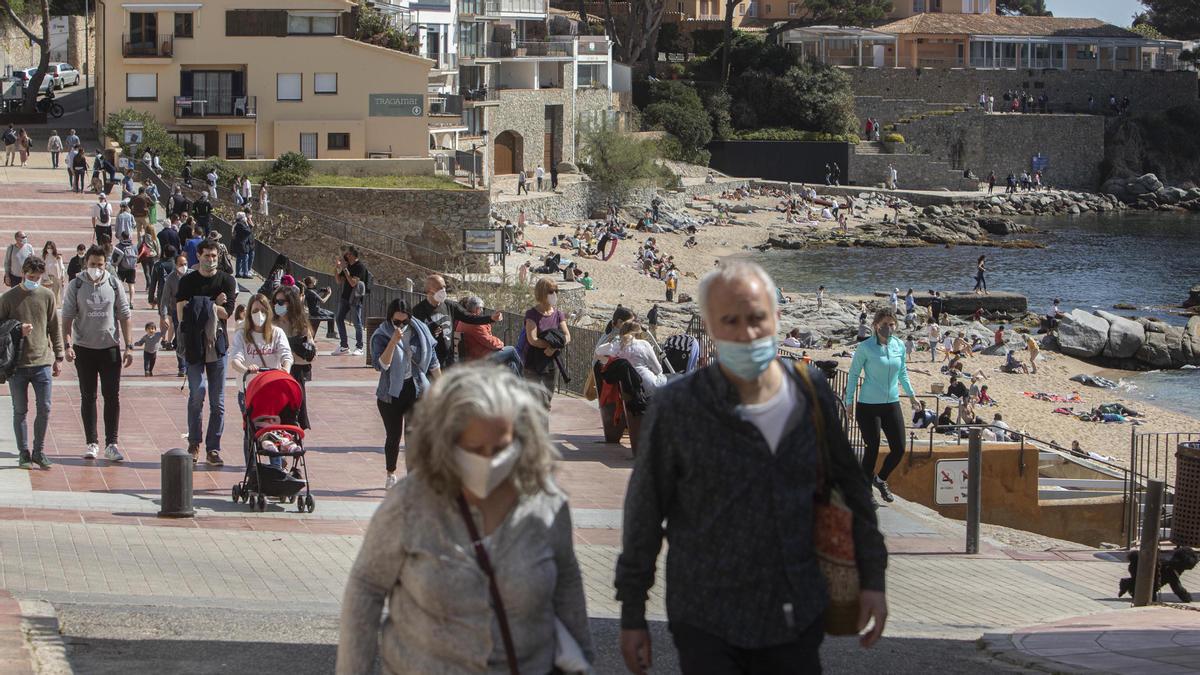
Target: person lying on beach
{"x": 1012, "y": 365}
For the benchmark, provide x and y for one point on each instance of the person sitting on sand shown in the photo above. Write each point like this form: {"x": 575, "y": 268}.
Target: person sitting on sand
{"x": 922, "y": 417}
{"x": 960, "y": 346}
{"x": 984, "y": 397}
{"x": 1012, "y": 365}
{"x": 793, "y": 339}
{"x": 956, "y": 389}
{"x": 945, "y": 421}
{"x": 1001, "y": 428}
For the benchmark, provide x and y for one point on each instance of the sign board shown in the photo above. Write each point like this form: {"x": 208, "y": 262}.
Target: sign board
{"x": 1040, "y": 162}
{"x": 396, "y": 105}
{"x": 950, "y": 481}
{"x": 483, "y": 241}
{"x": 133, "y": 132}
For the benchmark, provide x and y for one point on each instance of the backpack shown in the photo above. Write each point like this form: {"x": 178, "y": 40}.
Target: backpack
{"x": 11, "y": 344}
{"x": 129, "y": 257}
{"x": 10, "y": 137}
{"x": 105, "y": 213}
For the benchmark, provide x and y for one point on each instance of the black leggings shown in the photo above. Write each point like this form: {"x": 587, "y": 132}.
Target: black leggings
{"x": 871, "y": 416}
{"x": 393, "y": 413}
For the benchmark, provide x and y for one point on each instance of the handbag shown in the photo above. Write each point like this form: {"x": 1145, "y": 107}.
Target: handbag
{"x": 833, "y": 531}
{"x": 303, "y": 347}
{"x": 485, "y": 564}
{"x": 589, "y": 387}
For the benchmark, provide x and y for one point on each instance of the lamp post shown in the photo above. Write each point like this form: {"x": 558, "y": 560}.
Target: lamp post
{"x": 483, "y": 141}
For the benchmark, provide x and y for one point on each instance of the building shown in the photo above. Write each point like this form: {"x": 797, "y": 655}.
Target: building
{"x": 986, "y": 41}
{"x": 256, "y": 82}
{"x": 905, "y": 8}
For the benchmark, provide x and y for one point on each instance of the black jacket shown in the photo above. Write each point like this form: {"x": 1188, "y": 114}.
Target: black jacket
{"x": 11, "y": 344}
{"x": 633, "y": 394}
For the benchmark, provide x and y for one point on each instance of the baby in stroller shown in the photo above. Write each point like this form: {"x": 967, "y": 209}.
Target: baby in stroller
{"x": 278, "y": 441}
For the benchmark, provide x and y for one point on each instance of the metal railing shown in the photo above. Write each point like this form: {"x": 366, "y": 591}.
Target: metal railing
{"x": 483, "y": 93}
{"x": 1151, "y": 457}
{"x": 237, "y": 106}
{"x": 446, "y": 104}
{"x": 161, "y": 46}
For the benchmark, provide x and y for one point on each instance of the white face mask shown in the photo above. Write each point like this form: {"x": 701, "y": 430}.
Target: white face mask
{"x": 481, "y": 475}
{"x": 438, "y": 297}
{"x": 259, "y": 318}
{"x": 552, "y": 299}
{"x": 182, "y": 270}
{"x": 95, "y": 273}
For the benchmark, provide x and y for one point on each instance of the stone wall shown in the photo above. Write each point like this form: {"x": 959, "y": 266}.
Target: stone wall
{"x": 396, "y": 166}
{"x": 422, "y": 226}
{"x": 578, "y": 201}
{"x": 888, "y": 110}
{"x": 17, "y": 51}
{"x": 913, "y": 171}
{"x": 1067, "y": 90}
{"x": 1073, "y": 144}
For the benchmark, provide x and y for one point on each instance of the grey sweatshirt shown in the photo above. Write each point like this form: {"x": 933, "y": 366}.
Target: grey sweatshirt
{"x": 95, "y": 310}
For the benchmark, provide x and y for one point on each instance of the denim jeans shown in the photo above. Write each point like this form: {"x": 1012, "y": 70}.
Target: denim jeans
{"x": 355, "y": 313}
{"x": 243, "y": 264}
{"x": 18, "y": 387}
{"x": 507, "y": 357}
{"x": 197, "y": 373}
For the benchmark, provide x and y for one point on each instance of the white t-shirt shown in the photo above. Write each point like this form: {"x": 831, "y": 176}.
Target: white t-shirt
{"x": 641, "y": 356}
{"x": 771, "y": 416}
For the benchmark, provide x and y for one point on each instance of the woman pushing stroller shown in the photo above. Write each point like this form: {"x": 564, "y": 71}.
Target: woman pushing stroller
{"x": 259, "y": 345}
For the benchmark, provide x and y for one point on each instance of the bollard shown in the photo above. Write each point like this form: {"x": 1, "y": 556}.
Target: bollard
{"x": 176, "y": 467}
{"x": 974, "y": 485}
{"x": 1143, "y": 589}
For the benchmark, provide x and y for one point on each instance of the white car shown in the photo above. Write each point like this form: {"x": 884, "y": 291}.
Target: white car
{"x": 25, "y": 76}
{"x": 65, "y": 74}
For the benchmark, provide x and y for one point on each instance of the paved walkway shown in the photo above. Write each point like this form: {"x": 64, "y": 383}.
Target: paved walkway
{"x": 85, "y": 531}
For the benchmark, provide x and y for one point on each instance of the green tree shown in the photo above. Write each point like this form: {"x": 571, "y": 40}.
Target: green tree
{"x": 676, "y": 108}
{"x": 154, "y": 137}
{"x": 810, "y": 97}
{"x": 1023, "y": 7}
{"x": 618, "y": 162}
{"x": 1178, "y": 19}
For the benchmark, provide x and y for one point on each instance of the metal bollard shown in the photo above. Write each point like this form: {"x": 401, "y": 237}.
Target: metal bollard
{"x": 974, "y": 488}
{"x": 1143, "y": 589}
{"x": 176, "y": 467}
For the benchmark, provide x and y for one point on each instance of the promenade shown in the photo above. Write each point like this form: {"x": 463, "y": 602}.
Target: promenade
{"x": 91, "y": 581}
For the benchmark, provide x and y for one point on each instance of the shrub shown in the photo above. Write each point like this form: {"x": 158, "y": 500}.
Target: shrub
{"x": 616, "y": 162}
{"x": 293, "y": 162}
{"x": 775, "y": 134}
{"x": 285, "y": 178}
{"x": 154, "y": 137}
{"x": 225, "y": 170}
{"x": 893, "y": 138}
{"x": 676, "y": 108}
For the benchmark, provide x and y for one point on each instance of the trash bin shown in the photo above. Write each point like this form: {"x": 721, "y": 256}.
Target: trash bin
{"x": 1185, "y": 516}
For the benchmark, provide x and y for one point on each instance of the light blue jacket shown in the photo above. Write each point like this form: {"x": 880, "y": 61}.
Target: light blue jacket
{"x": 883, "y": 366}
{"x": 422, "y": 356}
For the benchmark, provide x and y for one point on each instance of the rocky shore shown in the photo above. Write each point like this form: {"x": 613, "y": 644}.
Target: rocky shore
{"x": 1137, "y": 343}
{"x": 1148, "y": 192}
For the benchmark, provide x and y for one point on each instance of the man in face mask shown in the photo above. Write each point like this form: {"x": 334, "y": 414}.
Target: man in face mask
{"x": 168, "y": 317}
{"x": 208, "y": 280}
{"x": 40, "y": 360}
{"x": 349, "y": 271}
{"x": 448, "y": 312}
{"x": 746, "y": 474}
{"x": 14, "y": 258}
{"x": 93, "y": 306}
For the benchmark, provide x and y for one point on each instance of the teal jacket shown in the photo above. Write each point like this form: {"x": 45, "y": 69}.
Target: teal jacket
{"x": 882, "y": 367}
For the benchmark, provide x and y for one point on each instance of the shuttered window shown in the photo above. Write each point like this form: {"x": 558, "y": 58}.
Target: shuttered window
{"x": 288, "y": 86}
{"x": 256, "y": 22}
{"x": 141, "y": 87}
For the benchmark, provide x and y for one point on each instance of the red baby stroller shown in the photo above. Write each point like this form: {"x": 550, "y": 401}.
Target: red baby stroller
{"x": 272, "y": 401}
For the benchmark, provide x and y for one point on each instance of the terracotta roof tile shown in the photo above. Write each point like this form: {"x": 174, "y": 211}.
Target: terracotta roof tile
{"x": 990, "y": 24}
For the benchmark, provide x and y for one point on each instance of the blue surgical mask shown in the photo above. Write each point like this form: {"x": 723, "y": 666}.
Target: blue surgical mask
{"x": 747, "y": 360}
{"x": 29, "y": 284}
{"x": 280, "y": 310}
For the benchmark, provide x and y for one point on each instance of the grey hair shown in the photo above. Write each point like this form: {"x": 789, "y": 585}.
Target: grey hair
{"x": 731, "y": 271}
{"x": 473, "y": 391}
{"x": 473, "y": 303}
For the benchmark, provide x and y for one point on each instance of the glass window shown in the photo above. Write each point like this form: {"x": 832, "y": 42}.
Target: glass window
{"x": 288, "y": 87}
{"x": 143, "y": 28}
{"x": 141, "y": 87}
{"x": 339, "y": 141}
{"x": 304, "y": 24}
{"x": 235, "y": 146}
{"x": 325, "y": 83}
{"x": 183, "y": 24}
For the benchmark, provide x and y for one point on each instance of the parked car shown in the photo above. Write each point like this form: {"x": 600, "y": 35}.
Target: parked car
{"x": 65, "y": 74}
{"x": 25, "y": 76}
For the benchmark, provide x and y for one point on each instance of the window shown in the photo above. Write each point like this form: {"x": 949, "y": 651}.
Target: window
{"x": 235, "y": 146}
{"x": 143, "y": 28}
{"x": 312, "y": 24}
{"x": 339, "y": 141}
{"x": 141, "y": 87}
{"x": 793, "y": 9}
{"x": 741, "y": 10}
{"x": 768, "y": 10}
{"x": 325, "y": 83}
{"x": 918, "y": 6}
{"x": 183, "y": 24}
{"x": 288, "y": 86}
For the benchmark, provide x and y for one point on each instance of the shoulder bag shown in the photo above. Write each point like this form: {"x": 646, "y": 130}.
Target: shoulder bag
{"x": 833, "y": 530}
{"x": 485, "y": 564}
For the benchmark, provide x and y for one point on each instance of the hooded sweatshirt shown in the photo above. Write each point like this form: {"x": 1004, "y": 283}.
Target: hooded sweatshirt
{"x": 95, "y": 310}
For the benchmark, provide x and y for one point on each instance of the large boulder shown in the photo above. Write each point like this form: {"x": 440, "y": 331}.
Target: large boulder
{"x": 1191, "y": 340}
{"x": 1154, "y": 351}
{"x": 1144, "y": 184}
{"x": 1178, "y": 346}
{"x": 1082, "y": 334}
{"x": 1125, "y": 336}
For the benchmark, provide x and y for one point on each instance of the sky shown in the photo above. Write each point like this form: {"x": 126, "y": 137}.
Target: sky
{"x": 1118, "y": 12}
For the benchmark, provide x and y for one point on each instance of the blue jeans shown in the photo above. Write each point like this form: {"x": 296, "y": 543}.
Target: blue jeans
{"x": 18, "y": 387}
{"x": 196, "y": 375}
{"x": 507, "y": 357}
{"x": 355, "y": 313}
{"x": 178, "y": 343}
{"x": 243, "y": 264}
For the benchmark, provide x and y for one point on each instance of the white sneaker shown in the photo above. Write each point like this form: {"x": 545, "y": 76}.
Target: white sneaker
{"x": 391, "y": 480}
{"x": 92, "y": 451}
{"x": 113, "y": 453}
{"x": 356, "y": 352}
{"x": 339, "y": 351}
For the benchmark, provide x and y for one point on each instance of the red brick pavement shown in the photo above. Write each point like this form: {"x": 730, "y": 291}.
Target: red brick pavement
{"x": 15, "y": 658}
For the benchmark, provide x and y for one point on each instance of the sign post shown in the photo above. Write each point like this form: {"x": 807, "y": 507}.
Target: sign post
{"x": 489, "y": 241}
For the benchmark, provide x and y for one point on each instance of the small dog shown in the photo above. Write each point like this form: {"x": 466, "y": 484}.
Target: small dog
{"x": 1170, "y": 567}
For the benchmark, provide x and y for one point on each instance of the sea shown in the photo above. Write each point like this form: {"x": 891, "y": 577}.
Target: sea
{"x": 1145, "y": 259}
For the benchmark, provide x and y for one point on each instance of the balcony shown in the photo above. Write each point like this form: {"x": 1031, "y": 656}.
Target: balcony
{"x": 444, "y": 61}
{"x": 514, "y": 7}
{"x": 481, "y": 95}
{"x": 234, "y": 110}
{"x": 446, "y": 104}
{"x": 148, "y": 47}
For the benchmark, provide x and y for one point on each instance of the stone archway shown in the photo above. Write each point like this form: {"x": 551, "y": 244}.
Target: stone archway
{"x": 509, "y": 153}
